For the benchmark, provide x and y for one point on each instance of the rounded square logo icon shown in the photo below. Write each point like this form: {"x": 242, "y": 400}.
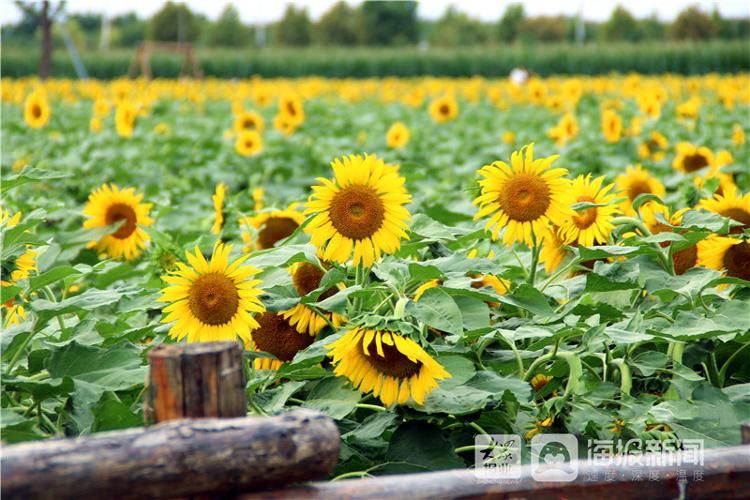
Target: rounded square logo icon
{"x": 554, "y": 457}
{"x": 497, "y": 456}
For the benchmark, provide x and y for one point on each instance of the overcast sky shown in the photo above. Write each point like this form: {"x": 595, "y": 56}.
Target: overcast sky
{"x": 263, "y": 11}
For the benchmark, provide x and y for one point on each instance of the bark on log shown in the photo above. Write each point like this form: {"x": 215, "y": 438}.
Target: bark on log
{"x": 195, "y": 381}
{"x": 745, "y": 430}
{"x": 724, "y": 474}
{"x": 179, "y": 458}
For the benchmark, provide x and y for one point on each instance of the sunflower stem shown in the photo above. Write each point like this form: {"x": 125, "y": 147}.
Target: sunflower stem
{"x": 534, "y": 259}
{"x": 366, "y": 406}
{"x": 51, "y": 297}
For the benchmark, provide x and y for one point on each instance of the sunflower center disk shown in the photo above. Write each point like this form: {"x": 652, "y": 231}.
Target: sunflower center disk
{"x": 638, "y": 188}
{"x": 525, "y": 197}
{"x": 393, "y": 363}
{"x": 36, "y": 111}
{"x": 307, "y": 277}
{"x": 275, "y": 229}
{"x": 276, "y": 336}
{"x": 357, "y": 212}
{"x": 444, "y": 109}
{"x": 695, "y": 162}
{"x": 739, "y": 215}
{"x": 685, "y": 259}
{"x": 586, "y": 217}
{"x": 118, "y": 212}
{"x": 213, "y": 299}
{"x": 737, "y": 261}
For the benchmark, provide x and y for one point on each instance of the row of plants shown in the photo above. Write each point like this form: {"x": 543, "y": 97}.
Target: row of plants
{"x": 680, "y": 58}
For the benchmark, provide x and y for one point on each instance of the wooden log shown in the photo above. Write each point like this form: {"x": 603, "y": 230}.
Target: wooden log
{"x": 725, "y": 473}
{"x": 745, "y": 430}
{"x": 178, "y": 458}
{"x": 195, "y": 381}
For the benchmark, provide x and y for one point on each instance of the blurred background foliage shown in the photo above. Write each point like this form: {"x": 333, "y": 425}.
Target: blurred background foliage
{"x": 376, "y": 25}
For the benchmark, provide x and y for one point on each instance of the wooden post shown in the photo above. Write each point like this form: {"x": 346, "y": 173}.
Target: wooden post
{"x": 178, "y": 458}
{"x": 195, "y": 381}
{"x": 745, "y": 430}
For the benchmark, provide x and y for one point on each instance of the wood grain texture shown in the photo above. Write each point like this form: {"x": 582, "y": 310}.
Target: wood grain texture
{"x": 725, "y": 474}
{"x": 177, "y": 458}
{"x": 195, "y": 381}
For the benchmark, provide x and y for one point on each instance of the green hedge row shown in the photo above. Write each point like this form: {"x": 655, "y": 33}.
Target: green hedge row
{"x": 685, "y": 58}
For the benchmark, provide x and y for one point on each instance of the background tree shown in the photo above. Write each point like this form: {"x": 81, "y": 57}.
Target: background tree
{"x": 338, "y": 26}
{"x": 128, "y": 30}
{"x": 42, "y": 15}
{"x": 175, "y": 22}
{"x": 651, "y": 28}
{"x": 294, "y": 29}
{"x": 389, "y": 23}
{"x": 544, "y": 29}
{"x": 621, "y": 26}
{"x": 228, "y": 30}
{"x": 509, "y": 26}
{"x": 456, "y": 29}
{"x": 692, "y": 24}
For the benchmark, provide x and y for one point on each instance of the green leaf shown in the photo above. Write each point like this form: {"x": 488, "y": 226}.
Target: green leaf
{"x": 52, "y": 276}
{"x": 31, "y": 174}
{"x": 438, "y": 310}
{"x": 615, "y": 276}
{"x": 334, "y": 397}
{"x": 529, "y": 298}
{"x": 117, "y": 368}
{"x": 423, "y": 445}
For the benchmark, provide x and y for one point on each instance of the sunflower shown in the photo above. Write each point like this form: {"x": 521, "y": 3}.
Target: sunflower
{"x": 36, "y": 109}
{"x": 691, "y": 158}
{"x": 682, "y": 260}
{"x": 590, "y": 225}
{"x": 8, "y": 219}
{"x": 95, "y": 124}
{"x": 218, "y": 199}
{"x": 290, "y": 105}
{"x": 738, "y": 135}
{"x": 540, "y": 426}
{"x": 258, "y": 194}
{"x": 248, "y": 120}
{"x": 524, "y": 197}
{"x": 553, "y": 250}
{"x": 15, "y": 313}
{"x": 248, "y": 143}
{"x": 421, "y": 289}
{"x": 444, "y": 109}
{"x": 611, "y": 125}
{"x": 730, "y": 204}
{"x": 729, "y": 255}
{"x": 284, "y": 124}
{"x": 397, "y": 136}
{"x": 101, "y": 107}
{"x": 540, "y": 380}
{"x": 212, "y": 300}
{"x": 268, "y": 228}
{"x": 125, "y": 119}
{"x": 306, "y": 278}
{"x": 397, "y": 368}
{"x": 275, "y": 335}
{"x": 654, "y": 148}
{"x": 636, "y": 181}
{"x": 25, "y": 263}
{"x": 360, "y": 214}
{"x": 726, "y": 182}
{"x": 110, "y": 204}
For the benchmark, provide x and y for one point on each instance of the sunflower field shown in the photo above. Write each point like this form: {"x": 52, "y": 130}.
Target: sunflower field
{"x": 424, "y": 260}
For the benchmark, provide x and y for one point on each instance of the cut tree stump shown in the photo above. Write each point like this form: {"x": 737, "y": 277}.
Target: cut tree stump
{"x": 178, "y": 458}
{"x": 195, "y": 381}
